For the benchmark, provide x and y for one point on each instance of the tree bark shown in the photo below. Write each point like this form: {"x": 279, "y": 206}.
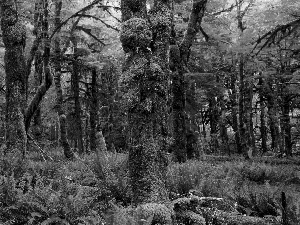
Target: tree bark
{"x": 179, "y": 57}
{"x": 57, "y": 80}
{"x": 38, "y": 64}
{"x": 249, "y": 111}
{"x": 145, "y": 79}
{"x": 178, "y": 106}
{"x": 234, "y": 106}
{"x": 273, "y": 116}
{"x": 245, "y": 99}
{"x": 94, "y": 107}
{"x": 44, "y": 87}
{"x": 214, "y": 118}
{"x": 14, "y": 39}
{"x": 77, "y": 105}
{"x": 286, "y": 126}
{"x": 223, "y": 128}
{"x": 263, "y": 127}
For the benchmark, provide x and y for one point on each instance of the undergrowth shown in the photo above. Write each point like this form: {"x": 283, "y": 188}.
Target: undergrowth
{"x": 95, "y": 189}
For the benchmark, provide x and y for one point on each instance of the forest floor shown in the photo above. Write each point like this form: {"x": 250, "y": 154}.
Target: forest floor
{"x": 93, "y": 190}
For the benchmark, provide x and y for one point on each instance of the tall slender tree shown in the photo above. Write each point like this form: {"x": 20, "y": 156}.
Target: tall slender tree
{"x": 57, "y": 80}
{"x": 179, "y": 57}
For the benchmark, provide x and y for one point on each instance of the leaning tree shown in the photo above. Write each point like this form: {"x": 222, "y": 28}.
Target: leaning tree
{"x": 18, "y": 68}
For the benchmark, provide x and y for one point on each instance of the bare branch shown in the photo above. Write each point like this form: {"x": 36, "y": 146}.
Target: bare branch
{"x": 88, "y": 7}
{"x": 96, "y": 18}
{"x": 88, "y": 31}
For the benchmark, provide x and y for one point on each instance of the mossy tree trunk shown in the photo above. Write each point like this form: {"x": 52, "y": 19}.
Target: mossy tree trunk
{"x": 145, "y": 78}
{"x": 57, "y": 80}
{"x": 14, "y": 39}
{"x": 179, "y": 57}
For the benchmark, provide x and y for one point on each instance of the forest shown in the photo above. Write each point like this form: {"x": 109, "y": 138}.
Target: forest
{"x": 150, "y": 112}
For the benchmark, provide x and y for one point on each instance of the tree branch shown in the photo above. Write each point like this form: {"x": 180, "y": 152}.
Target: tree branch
{"x": 88, "y": 7}
{"x": 270, "y": 37}
{"x": 96, "y": 18}
{"x": 194, "y": 23}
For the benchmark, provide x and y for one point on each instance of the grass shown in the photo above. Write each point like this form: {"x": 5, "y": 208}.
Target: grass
{"x": 87, "y": 188}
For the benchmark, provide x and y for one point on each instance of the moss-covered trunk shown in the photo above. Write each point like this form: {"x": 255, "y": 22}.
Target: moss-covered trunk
{"x": 57, "y": 80}
{"x": 14, "y": 39}
{"x": 145, "y": 77}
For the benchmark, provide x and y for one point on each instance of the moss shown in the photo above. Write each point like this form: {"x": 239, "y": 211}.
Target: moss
{"x": 135, "y": 34}
{"x": 15, "y": 34}
{"x": 161, "y": 214}
{"x": 160, "y": 17}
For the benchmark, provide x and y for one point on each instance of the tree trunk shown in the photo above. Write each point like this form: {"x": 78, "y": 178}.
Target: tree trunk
{"x": 146, "y": 81}
{"x": 179, "y": 57}
{"x": 249, "y": 111}
{"x": 263, "y": 127}
{"x": 244, "y": 101}
{"x": 76, "y": 95}
{"x": 273, "y": 119}
{"x": 223, "y": 128}
{"x": 57, "y": 79}
{"x": 234, "y": 106}
{"x": 214, "y": 118}
{"x": 38, "y": 64}
{"x": 38, "y": 79}
{"x": 286, "y": 128}
{"x": 14, "y": 39}
{"x": 178, "y": 106}
{"x": 44, "y": 87}
{"x": 94, "y": 108}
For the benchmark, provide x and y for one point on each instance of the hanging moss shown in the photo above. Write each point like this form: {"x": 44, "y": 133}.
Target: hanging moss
{"x": 135, "y": 35}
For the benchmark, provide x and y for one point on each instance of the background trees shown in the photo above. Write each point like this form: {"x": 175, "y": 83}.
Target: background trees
{"x": 141, "y": 87}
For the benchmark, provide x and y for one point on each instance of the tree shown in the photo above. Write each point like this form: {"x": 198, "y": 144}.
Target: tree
{"x": 145, "y": 77}
{"x": 179, "y": 57}
{"x": 57, "y": 80}
{"x": 14, "y": 39}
